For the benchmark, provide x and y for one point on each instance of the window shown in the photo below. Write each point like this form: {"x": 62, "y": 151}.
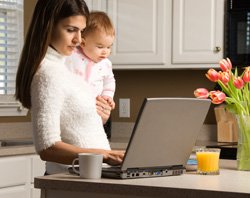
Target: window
{"x": 11, "y": 42}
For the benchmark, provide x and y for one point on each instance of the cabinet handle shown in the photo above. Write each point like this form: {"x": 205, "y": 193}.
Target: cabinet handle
{"x": 217, "y": 49}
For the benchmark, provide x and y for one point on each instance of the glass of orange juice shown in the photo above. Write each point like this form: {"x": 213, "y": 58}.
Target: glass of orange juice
{"x": 208, "y": 161}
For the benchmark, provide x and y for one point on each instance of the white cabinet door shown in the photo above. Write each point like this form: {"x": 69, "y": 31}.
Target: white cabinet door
{"x": 15, "y": 177}
{"x": 197, "y": 31}
{"x": 14, "y": 171}
{"x": 139, "y": 32}
{"x": 35, "y": 192}
{"x": 38, "y": 167}
{"x": 97, "y": 4}
{"x": 15, "y": 192}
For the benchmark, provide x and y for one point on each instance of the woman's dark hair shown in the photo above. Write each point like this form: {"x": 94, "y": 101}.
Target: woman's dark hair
{"x": 46, "y": 15}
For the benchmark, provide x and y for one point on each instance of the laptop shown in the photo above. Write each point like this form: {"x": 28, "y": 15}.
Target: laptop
{"x": 164, "y": 134}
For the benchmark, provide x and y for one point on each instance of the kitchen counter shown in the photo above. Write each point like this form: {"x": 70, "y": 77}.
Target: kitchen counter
{"x": 230, "y": 183}
{"x": 118, "y": 144}
{"x": 30, "y": 149}
{"x": 16, "y": 150}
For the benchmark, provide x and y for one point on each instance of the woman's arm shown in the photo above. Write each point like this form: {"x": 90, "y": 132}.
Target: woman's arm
{"x": 65, "y": 153}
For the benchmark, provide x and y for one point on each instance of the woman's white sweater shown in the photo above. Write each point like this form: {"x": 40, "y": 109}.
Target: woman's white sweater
{"x": 63, "y": 109}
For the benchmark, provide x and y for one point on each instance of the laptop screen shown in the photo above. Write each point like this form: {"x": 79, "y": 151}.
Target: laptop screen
{"x": 165, "y": 132}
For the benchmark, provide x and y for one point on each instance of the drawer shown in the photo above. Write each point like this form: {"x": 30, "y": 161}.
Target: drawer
{"x": 14, "y": 171}
{"x": 15, "y": 192}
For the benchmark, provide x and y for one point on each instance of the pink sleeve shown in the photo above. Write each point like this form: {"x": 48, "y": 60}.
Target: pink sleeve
{"x": 109, "y": 81}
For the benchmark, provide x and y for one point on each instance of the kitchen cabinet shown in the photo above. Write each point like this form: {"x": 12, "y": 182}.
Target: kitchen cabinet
{"x": 17, "y": 176}
{"x": 140, "y": 38}
{"x": 15, "y": 192}
{"x": 197, "y": 31}
{"x": 139, "y": 31}
{"x": 37, "y": 169}
{"x": 97, "y": 5}
{"x": 165, "y": 34}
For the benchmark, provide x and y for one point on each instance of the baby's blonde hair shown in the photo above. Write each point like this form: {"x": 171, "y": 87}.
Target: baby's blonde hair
{"x": 98, "y": 21}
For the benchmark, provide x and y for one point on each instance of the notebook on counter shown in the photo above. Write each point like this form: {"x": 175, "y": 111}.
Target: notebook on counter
{"x": 162, "y": 139}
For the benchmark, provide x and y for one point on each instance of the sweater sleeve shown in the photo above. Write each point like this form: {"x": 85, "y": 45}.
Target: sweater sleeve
{"x": 46, "y": 101}
{"x": 109, "y": 81}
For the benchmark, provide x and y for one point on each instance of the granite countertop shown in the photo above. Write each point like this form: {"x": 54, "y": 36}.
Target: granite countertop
{"x": 230, "y": 183}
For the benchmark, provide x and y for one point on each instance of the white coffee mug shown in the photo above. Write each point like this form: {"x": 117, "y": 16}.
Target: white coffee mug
{"x": 90, "y": 165}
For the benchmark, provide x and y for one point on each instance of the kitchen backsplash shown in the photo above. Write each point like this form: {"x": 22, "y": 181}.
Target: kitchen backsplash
{"x": 15, "y": 130}
{"x": 121, "y": 131}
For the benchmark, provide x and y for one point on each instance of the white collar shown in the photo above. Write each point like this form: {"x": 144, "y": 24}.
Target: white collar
{"x": 53, "y": 55}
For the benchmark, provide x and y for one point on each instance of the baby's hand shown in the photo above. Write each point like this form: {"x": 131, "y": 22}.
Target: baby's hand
{"x": 110, "y": 101}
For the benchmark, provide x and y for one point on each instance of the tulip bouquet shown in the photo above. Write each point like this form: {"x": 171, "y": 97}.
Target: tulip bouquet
{"x": 235, "y": 88}
{"x": 235, "y": 92}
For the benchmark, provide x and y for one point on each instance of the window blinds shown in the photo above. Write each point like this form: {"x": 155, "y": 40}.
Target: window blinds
{"x": 11, "y": 42}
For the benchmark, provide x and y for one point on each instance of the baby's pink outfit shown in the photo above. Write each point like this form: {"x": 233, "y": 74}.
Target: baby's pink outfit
{"x": 99, "y": 75}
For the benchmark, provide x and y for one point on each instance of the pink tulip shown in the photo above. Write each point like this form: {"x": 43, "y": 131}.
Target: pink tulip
{"x": 201, "y": 93}
{"x": 224, "y": 77}
{"x": 225, "y": 64}
{"x": 246, "y": 76}
{"x": 212, "y": 75}
{"x": 238, "y": 82}
{"x": 217, "y": 97}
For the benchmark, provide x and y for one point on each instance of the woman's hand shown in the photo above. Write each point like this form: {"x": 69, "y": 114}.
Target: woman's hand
{"x": 110, "y": 101}
{"x": 103, "y": 108}
{"x": 113, "y": 157}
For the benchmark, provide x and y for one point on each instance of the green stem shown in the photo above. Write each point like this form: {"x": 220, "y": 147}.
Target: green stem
{"x": 243, "y": 150}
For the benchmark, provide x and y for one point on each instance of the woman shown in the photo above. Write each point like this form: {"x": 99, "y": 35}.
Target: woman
{"x": 66, "y": 117}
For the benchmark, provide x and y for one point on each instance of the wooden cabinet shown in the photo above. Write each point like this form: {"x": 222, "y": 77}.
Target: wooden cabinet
{"x": 197, "y": 31}
{"x": 17, "y": 176}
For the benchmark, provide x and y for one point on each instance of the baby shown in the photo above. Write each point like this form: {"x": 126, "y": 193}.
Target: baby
{"x": 90, "y": 60}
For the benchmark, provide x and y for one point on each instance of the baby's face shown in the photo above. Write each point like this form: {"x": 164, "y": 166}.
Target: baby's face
{"x": 97, "y": 46}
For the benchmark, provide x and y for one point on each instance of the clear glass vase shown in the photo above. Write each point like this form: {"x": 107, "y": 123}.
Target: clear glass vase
{"x": 243, "y": 149}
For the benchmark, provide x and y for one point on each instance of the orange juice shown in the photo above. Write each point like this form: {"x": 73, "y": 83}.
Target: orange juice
{"x": 208, "y": 161}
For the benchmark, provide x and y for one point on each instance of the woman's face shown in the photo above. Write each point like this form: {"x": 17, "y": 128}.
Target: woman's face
{"x": 66, "y": 35}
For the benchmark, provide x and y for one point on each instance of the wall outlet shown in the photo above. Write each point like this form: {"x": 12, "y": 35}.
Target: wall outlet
{"x": 124, "y": 107}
